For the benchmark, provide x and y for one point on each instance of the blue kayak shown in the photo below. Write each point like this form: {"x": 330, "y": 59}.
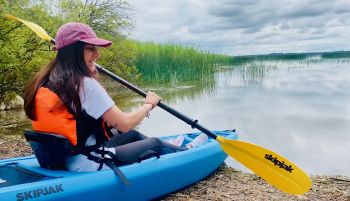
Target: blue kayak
{"x": 23, "y": 179}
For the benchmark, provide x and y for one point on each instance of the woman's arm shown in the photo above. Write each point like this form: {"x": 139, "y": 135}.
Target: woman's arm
{"x": 127, "y": 121}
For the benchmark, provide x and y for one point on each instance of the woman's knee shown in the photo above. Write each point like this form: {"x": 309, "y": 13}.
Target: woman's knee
{"x": 155, "y": 141}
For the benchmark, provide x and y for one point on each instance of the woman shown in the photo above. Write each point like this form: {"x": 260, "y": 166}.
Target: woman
{"x": 65, "y": 98}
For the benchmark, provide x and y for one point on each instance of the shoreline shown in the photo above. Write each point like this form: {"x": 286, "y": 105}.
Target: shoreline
{"x": 230, "y": 184}
{"x": 224, "y": 184}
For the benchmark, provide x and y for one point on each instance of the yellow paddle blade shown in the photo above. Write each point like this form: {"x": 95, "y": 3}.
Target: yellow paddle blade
{"x": 36, "y": 28}
{"x": 274, "y": 168}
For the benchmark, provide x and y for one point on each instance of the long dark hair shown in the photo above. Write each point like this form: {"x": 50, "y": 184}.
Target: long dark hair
{"x": 64, "y": 76}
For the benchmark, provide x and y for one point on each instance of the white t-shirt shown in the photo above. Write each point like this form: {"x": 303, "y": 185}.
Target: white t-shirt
{"x": 95, "y": 101}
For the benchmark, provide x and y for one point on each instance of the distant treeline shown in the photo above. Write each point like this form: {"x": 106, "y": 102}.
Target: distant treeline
{"x": 338, "y": 54}
{"x": 289, "y": 56}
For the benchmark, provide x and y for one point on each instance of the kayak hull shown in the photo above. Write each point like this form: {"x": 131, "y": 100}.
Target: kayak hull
{"x": 150, "y": 179}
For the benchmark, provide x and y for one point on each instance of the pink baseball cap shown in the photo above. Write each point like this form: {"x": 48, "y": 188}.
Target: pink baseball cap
{"x": 75, "y": 31}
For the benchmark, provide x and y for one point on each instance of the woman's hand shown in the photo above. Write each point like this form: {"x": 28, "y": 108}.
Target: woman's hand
{"x": 152, "y": 99}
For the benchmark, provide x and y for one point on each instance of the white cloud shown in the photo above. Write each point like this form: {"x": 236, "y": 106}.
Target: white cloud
{"x": 237, "y": 27}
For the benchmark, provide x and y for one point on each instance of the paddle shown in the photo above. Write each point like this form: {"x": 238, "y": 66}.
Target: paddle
{"x": 274, "y": 168}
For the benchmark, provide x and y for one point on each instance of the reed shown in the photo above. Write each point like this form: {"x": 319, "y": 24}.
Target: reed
{"x": 172, "y": 63}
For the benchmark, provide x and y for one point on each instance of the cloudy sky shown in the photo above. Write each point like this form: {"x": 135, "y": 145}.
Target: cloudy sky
{"x": 241, "y": 27}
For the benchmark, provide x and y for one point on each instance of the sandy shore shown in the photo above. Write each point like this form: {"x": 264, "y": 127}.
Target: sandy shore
{"x": 225, "y": 184}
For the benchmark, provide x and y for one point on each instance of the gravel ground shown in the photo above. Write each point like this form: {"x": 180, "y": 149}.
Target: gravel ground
{"x": 225, "y": 184}
{"x": 230, "y": 184}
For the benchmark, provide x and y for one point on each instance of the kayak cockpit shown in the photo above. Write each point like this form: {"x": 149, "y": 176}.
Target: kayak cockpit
{"x": 15, "y": 174}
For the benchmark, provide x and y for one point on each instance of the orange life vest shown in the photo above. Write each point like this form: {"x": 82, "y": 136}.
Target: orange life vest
{"x": 53, "y": 117}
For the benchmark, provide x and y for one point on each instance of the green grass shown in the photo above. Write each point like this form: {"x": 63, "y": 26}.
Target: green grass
{"x": 168, "y": 63}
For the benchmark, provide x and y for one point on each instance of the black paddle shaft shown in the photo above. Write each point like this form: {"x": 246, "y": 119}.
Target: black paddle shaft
{"x": 192, "y": 122}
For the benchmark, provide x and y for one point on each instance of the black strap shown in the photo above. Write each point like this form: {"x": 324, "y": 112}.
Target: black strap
{"x": 117, "y": 171}
{"x": 103, "y": 156}
{"x": 111, "y": 162}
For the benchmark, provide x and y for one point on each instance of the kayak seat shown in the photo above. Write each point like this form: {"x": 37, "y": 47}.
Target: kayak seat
{"x": 50, "y": 149}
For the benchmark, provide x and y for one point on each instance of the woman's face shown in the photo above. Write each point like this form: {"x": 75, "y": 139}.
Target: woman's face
{"x": 91, "y": 55}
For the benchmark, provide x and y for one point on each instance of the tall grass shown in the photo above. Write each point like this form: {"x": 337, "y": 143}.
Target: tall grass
{"x": 175, "y": 63}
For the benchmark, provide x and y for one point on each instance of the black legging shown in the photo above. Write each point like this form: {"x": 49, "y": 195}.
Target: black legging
{"x": 131, "y": 145}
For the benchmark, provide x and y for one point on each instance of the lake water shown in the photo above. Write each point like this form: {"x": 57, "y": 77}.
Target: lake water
{"x": 299, "y": 109}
